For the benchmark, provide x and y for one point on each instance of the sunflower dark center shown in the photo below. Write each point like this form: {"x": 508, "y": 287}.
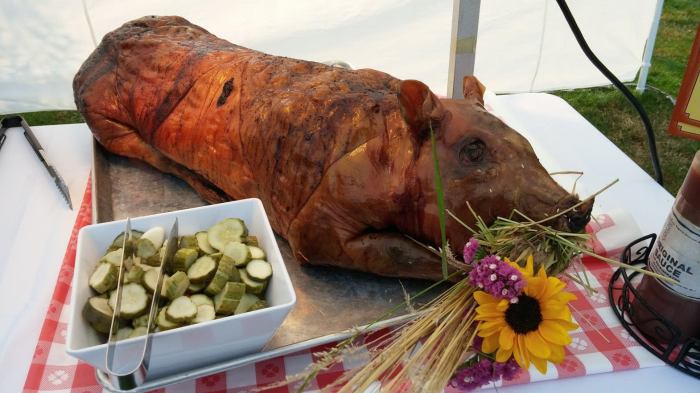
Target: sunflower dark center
{"x": 524, "y": 316}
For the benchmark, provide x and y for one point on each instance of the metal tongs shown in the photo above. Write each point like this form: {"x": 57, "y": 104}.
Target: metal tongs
{"x": 134, "y": 376}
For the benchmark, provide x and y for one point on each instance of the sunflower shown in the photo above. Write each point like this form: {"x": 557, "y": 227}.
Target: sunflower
{"x": 534, "y": 329}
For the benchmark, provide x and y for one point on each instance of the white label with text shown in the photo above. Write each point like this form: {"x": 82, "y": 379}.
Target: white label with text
{"x": 676, "y": 254}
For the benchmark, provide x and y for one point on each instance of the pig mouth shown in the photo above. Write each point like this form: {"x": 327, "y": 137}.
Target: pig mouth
{"x": 576, "y": 214}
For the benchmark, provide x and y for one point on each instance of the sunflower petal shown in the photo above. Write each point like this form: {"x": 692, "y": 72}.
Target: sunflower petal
{"x": 488, "y": 332}
{"x": 490, "y": 344}
{"x": 537, "y": 345}
{"x": 555, "y": 312}
{"x": 542, "y": 273}
{"x": 554, "y": 332}
{"x": 503, "y": 305}
{"x": 552, "y": 304}
{"x": 520, "y": 352}
{"x": 535, "y": 287}
{"x": 494, "y": 323}
{"x": 488, "y": 317}
{"x": 484, "y": 298}
{"x": 489, "y": 312}
{"x": 513, "y": 264}
{"x": 506, "y": 338}
{"x": 564, "y": 297}
{"x": 502, "y": 355}
{"x": 557, "y": 354}
{"x": 554, "y": 286}
{"x": 568, "y": 325}
{"x": 529, "y": 266}
{"x": 487, "y": 308}
{"x": 540, "y": 364}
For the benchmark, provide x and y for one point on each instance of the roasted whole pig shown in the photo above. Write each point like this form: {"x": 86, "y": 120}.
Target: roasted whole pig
{"x": 341, "y": 159}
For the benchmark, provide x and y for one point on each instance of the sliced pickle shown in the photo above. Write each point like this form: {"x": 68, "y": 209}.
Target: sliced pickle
{"x": 176, "y": 285}
{"x": 226, "y": 231}
{"x": 201, "y": 270}
{"x": 203, "y": 242}
{"x": 134, "y": 300}
{"x": 226, "y": 301}
{"x": 182, "y": 260}
{"x": 247, "y": 301}
{"x": 200, "y": 299}
{"x": 237, "y": 251}
{"x": 98, "y": 314}
{"x": 217, "y": 283}
{"x": 252, "y": 286}
{"x": 104, "y": 278}
{"x": 181, "y": 310}
{"x": 205, "y": 312}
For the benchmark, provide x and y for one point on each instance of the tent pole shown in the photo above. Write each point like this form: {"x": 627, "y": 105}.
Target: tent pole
{"x": 465, "y": 25}
{"x": 649, "y": 48}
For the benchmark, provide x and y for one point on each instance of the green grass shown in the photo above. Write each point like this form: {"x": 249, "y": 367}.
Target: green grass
{"x": 605, "y": 107}
{"x": 608, "y": 110}
{"x": 48, "y": 118}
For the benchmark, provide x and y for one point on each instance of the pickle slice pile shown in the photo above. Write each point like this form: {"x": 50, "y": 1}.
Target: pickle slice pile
{"x": 216, "y": 272}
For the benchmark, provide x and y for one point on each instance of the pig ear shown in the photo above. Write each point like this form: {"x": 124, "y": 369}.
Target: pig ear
{"x": 472, "y": 88}
{"x": 419, "y": 105}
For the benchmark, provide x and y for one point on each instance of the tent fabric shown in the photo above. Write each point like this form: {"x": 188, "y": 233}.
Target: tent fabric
{"x": 526, "y": 45}
{"x": 521, "y": 46}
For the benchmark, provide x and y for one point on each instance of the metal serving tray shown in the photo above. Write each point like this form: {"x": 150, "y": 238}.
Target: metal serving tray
{"x": 330, "y": 301}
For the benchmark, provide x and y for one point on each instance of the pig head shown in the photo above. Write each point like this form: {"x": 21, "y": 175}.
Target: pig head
{"x": 385, "y": 189}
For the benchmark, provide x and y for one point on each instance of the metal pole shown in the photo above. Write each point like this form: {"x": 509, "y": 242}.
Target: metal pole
{"x": 465, "y": 25}
{"x": 649, "y": 49}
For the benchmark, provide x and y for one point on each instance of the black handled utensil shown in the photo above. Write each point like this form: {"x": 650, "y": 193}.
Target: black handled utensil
{"x": 18, "y": 121}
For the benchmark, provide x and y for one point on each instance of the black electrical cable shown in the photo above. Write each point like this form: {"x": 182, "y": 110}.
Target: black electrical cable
{"x": 623, "y": 89}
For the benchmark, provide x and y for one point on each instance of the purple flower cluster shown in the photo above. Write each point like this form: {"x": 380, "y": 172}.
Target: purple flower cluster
{"x": 470, "y": 250}
{"x": 481, "y": 373}
{"x": 498, "y": 278}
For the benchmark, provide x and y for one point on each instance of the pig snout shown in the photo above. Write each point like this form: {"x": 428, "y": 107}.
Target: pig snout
{"x": 576, "y": 219}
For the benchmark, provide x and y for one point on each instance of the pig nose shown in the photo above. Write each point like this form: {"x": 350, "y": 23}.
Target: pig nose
{"x": 579, "y": 217}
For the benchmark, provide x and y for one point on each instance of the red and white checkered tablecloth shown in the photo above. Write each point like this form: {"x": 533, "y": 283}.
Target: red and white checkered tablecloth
{"x": 600, "y": 345}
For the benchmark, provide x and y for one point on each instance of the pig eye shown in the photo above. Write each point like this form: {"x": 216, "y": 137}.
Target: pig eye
{"x": 472, "y": 151}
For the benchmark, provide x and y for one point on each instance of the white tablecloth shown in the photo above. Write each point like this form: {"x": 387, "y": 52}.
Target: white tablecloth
{"x": 35, "y": 223}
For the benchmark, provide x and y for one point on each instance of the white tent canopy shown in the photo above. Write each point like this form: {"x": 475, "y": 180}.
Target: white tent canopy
{"x": 522, "y": 45}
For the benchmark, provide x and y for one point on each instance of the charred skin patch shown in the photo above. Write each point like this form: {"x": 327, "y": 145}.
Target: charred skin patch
{"x": 225, "y": 92}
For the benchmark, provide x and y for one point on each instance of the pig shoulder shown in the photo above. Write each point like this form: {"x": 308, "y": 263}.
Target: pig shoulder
{"x": 298, "y": 118}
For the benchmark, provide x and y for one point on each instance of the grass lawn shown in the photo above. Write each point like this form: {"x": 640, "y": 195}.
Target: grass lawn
{"x": 605, "y": 107}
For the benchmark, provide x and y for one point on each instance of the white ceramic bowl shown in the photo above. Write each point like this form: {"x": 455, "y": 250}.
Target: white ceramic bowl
{"x": 194, "y": 345}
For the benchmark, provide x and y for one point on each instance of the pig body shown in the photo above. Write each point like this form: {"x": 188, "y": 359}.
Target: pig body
{"x": 341, "y": 159}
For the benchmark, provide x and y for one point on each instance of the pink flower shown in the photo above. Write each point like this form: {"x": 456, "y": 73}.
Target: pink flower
{"x": 497, "y": 277}
{"x": 483, "y": 372}
{"x": 470, "y": 250}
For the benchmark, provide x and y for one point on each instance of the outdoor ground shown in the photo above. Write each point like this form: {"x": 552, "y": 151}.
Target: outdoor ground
{"x": 605, "y": 107}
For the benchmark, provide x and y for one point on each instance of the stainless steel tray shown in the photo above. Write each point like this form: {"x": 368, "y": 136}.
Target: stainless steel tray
{"x": 330, "y": 301}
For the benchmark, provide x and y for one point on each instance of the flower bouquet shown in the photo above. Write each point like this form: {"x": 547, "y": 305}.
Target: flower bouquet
{"x": 506, "y": 309}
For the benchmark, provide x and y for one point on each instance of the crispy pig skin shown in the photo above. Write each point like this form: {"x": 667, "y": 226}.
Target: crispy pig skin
{"x": 341, "y": 159}
{"x": 200, "y": 105}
